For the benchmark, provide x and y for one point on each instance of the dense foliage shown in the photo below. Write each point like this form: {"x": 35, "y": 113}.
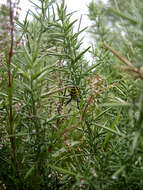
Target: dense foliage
{"x": 94, "y": 141}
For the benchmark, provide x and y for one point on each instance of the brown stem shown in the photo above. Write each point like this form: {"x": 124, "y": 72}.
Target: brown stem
{"x": 12, "y": 139}
{"x": 82, "y": 116}
{"x": 124, "y": 60}
{"x": 59, "y": 106}
{"x": 85, "y": 107}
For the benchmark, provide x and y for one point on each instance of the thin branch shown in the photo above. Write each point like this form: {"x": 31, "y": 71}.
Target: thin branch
{"x": 125, "y": 61}
{"x": 12, "y": 139}
{"x": 85, "y": 107}
{"x": 55, "y": 91}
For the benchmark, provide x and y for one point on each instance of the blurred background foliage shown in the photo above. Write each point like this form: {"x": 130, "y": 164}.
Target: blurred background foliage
{"x": 48, "y": 144}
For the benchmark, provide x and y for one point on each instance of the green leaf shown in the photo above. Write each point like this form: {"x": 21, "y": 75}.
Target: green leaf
{"x": 117, "y": 173}
{"x": 70, "y": 25}
{"x": 24, "y": 74}
{"x": 102, "y": 113}
{"x": 43, "y": 72}
{"x": 81, "y": 54}
{"x": 29, "y": 172}
{"x": 123, "y": 15}
{"x": 61, "y": 170}
{"x": 90, "y": 69}
{"x": 110, "y": 130}
{"x": 78, "y": 33}
{"x": 109, "y": 134}
{"x": 27, "y": 57}
{"x": 135, "y": 141}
